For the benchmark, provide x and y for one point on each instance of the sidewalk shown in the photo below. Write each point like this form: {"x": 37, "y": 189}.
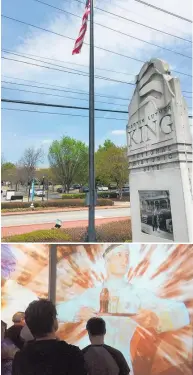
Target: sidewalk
{"x": 63, "y": 209}
{"x": 11, "y": 231}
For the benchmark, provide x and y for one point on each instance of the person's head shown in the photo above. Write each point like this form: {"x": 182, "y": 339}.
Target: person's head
{"x": 96, "y": 329}
{"x": 3, "y": 329}
{"x": 19, "y": 318}
{"x": 41, "y": 318}
{"x": 116, "y": 259}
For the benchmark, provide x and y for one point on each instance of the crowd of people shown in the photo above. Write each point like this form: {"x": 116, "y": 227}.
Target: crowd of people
{"x": 31, "y": 346}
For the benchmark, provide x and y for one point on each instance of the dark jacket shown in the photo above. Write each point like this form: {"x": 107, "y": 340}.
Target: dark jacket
{"x": 13, "y": 333}
{"x": 8, "y": 351}
{"x": 49, "y": 357}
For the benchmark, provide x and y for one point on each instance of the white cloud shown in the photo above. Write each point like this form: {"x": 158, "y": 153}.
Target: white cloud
{"x": 118, "y": 132}
{"x": 52, "y": 46}
{"x": 47, "y": 141}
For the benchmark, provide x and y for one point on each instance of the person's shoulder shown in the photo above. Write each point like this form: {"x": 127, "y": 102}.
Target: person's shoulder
{"x": 115, "y": 352}
{"x": 71, "y": 349}
{"x": 119, "y": 359}
{"x": 85, "y": 350}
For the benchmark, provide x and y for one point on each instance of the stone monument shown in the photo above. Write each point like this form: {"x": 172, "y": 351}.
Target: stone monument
{"x": 159, "y": 145}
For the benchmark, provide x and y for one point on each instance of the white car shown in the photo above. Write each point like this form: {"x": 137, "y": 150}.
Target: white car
{"x": 39, "y": 193}
{"x": 102, "y": 188}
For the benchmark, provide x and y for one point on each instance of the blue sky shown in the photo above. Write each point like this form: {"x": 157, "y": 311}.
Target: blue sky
{"x": 21, "y": 129}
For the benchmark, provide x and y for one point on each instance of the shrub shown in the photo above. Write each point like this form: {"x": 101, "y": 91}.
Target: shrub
{"x": 56, "y": 203}
{"x": 51, "y": 235}
{"x": 107, "y": 194}
{"x": 101, "y": 194}
{"x": 117, "y": 231}
{"x": 74, "y": 196}
{"x": 105, "y": 202}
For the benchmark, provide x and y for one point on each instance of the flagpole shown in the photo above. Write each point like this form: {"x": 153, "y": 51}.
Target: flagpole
{"x": 91, "y": 225}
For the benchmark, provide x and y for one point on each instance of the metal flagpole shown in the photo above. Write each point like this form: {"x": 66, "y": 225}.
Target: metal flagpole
{"x": 91, "y": 226}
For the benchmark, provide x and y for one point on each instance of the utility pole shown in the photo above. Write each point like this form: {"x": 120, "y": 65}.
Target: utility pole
{"x": 52, "y": 273}
{"x": 91, "y": 225}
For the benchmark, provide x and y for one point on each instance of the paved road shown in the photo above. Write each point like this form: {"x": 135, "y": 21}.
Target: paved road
{"x": 16, "y": 220}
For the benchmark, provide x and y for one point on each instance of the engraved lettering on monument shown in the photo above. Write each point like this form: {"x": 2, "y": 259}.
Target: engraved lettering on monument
{"x": 159, "y": 156}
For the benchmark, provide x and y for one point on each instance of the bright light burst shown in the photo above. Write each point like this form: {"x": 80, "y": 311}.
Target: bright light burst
{"x": 164, "y": 270}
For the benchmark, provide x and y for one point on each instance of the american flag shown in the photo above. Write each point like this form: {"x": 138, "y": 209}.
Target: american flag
{"x": 82, "y": 32}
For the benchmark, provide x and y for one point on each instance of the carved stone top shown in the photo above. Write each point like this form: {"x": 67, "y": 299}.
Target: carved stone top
{"x": 153, "y": 84}
{"x": 157, "y": 112}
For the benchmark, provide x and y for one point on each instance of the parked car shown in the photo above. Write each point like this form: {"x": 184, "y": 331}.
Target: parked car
{"x": 60, "y": 190}
{"x": 125, "y": 192}
{"x": 84, "y": 189}
{"x": 76, "y": 186}
{"x": 112, "y": 187}
{"x": 102, "y": 188}
{"x": 39, "y": 193}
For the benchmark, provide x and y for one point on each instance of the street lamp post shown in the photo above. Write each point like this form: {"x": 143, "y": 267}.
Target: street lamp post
{"x": 47, "y": 188}
{"x": 43, "y": 189}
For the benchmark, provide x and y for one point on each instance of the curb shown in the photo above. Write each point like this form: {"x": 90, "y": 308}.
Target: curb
{"x": 27, "y": 228}
{"x": 64, "y": 209}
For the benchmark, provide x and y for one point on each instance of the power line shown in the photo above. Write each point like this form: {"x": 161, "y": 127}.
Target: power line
{"x": 40, "y": 87}
{"x": 65, "y": 89}
{"x": 69, "y": 62}
{"x": 163, "y": 10}
{"x": 61, "y": 106}
{"x": 62, "y": 114}
{"x": 66, "y": 71}
{"x": 61, "y": 96}
{"x": 146, "y": 17}
{"x": 25, "y": 102}
{"x": 61, "y": 66}
{"x": 64, "y": 36}
{"x": 65, "y": 114}
{"x": 138, "y": 23}
{"x": 114, "y": 30}
{"x": 102, "y": 49}
{"x": 142, "y": 24}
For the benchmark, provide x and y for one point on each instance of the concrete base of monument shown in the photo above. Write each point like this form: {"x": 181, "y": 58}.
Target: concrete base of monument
{"x": 159, "y": 200}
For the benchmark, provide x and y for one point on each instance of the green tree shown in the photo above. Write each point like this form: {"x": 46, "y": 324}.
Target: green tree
{"x": 7, "y": 165}
{"x": 7, "y": 170}
{"x": 112, "y": 165}
{"x": 106, "y": 145}
{"x": 69, "y": 161}
{"x": 12, "y": 173}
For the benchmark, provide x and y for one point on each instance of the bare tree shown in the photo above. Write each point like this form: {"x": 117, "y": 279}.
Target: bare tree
{"x": 29, "y": 161}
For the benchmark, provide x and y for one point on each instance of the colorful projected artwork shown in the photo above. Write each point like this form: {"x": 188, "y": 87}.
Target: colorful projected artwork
{"x": 143, "y": 292}
{"x": 24, "y": 277}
